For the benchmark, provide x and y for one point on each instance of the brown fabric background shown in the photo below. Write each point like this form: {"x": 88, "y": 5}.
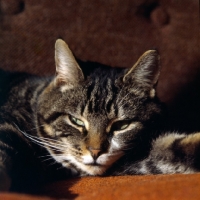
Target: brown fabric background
{"x": 112, "y": 32}
{"x": 116, "y": 33}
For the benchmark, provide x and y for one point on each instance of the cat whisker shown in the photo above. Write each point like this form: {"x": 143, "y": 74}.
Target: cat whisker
{"x": 52, "y": 163}
{"x": 58, "y": 157}
{"x": 46, "y": 156}
{"x": 45, "y": 160}
{"x": 59, "y": 143}
{"x": 49, "y": 140}
{"x": 45, "y": 141}
{"x": 61, "y": 167}
{"x": 42, "y": 142}
{"x": 52, "y": 144}
{"x": 50, "y": 158}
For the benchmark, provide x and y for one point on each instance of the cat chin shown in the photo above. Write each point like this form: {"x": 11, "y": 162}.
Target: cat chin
{"x": 101, "y": 165}
{"x": 95, "y": 170}
{"x": 105, "y": 159}
{"x": 92, "y": 167}
{"x": 87, "y": 164}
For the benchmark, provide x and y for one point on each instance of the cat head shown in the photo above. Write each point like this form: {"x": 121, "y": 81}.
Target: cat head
{"x": 91, "y": 121}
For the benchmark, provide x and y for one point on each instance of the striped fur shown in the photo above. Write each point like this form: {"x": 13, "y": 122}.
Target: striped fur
{"x": 87, "y": 122}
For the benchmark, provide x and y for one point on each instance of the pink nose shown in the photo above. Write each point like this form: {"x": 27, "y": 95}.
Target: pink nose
{"x": 94, "y": 152}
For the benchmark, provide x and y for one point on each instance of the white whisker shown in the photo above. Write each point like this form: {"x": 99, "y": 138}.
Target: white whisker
{"x": 42, "y": 141}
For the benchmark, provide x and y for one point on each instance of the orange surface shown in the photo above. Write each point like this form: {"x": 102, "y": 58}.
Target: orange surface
{"x": 153, "y": 187}
{"x": 14, "y": 196}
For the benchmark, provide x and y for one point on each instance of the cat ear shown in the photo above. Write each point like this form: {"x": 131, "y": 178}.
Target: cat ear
{"x": 145, "y": 72}
{"x": 67, "y": 69}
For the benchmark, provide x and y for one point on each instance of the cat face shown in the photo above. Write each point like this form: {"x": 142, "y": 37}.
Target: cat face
{"x": 89, "y": 122}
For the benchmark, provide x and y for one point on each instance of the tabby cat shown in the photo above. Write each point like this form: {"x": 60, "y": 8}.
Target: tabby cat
{"x": 103, "y": 121}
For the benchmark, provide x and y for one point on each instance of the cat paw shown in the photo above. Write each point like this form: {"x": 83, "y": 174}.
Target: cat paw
{"x": 5, "y": 181}
{"x": 190, "y": 144}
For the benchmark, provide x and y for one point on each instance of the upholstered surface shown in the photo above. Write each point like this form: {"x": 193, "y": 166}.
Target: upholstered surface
{"x": 154, "y": 187}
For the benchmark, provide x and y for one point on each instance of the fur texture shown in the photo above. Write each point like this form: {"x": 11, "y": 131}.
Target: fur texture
{"x": 103, "y": 122}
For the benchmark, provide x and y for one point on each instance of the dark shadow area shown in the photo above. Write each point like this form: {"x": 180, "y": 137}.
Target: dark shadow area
{"x": 57, "y": 183}
{"x": 146, "y": 8}
{"x": 41, "y": 176}
{"x": 60, "y": 189}
{"x": 184, "y": 112}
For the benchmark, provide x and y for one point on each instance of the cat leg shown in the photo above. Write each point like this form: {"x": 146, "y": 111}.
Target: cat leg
{"x": 188, "y": 150}
{"x": 173, "y": 153}
{"x": 170, "y": 153}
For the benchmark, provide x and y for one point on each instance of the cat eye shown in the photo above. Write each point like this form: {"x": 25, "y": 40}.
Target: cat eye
{"x": 124, "y": 126}
{"x": 77, "y": 121}
{"x": 120, "y": 125}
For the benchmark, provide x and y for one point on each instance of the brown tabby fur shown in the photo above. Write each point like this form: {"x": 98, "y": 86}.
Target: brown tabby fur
{"x": 103, "y": 121}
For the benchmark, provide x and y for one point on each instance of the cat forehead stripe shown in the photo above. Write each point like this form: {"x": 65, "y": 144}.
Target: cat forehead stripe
{"x": 100, "y": 97}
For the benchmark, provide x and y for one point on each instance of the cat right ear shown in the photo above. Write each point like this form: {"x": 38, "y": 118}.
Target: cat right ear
{"x": 145, "y": 72}
{"x": 67, "y": 69}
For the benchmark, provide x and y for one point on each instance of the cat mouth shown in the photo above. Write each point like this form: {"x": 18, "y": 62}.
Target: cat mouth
{"x": 95, "y": 169}
{"x": 95, "y": 164}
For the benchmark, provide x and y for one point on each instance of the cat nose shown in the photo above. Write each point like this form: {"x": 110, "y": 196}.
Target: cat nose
{"x": 94, "y": 152}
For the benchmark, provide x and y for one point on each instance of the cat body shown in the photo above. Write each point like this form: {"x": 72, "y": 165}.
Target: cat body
{"x": 104, "y": 122}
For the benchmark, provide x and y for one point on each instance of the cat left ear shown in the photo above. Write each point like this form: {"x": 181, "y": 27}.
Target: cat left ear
{"x": 67, "y": 69}
{"x": 145, "y": 72}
